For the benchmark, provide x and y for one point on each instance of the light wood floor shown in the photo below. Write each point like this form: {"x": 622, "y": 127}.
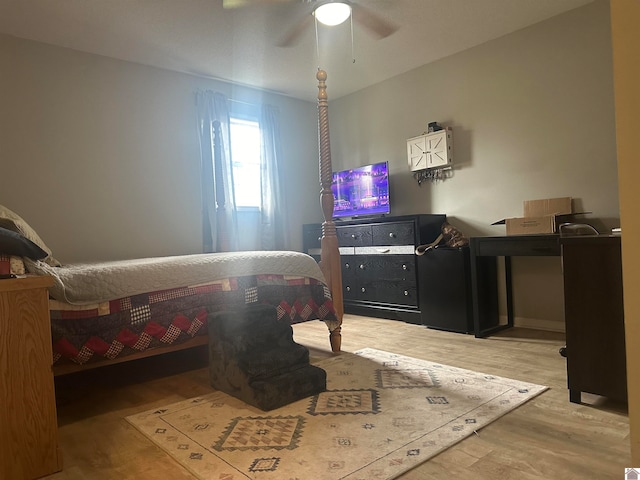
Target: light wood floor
{"x": 547, "y": 438}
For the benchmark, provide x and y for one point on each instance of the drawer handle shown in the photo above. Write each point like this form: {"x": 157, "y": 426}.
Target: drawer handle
{"x": 362, "y": 266}
{"x": 392, "y": 235}
{"x": 363, "y": 289}
{"x": 404, "y": 266}
{"x": 406, "y": 293}
{"x": 348, "y": 289}
{"x": 346, "y": 265}
{"x": 383, "y": 250}
{"x": 319, "y": 239}
{"x": 353, "y": 235}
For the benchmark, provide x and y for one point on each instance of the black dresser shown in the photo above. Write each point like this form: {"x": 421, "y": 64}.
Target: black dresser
{"x": 383, "y": 277}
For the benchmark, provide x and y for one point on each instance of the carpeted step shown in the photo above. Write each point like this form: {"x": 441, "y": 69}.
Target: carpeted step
{"x": 253, "y": 357}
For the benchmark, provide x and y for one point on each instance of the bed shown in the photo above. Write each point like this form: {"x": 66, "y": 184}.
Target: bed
{"x": 116, "y": 311}
{"x": 110, "y": 311}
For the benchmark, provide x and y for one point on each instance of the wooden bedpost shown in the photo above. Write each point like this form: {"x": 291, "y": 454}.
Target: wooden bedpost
{"x": 330, "y": 255}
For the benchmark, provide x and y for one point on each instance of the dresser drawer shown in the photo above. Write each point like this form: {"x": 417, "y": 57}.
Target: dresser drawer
{"x": 401, "y": 233}
{"x": 380, "y": 278}
{"x": 354, "y": 236}
{"x": 398, "y": 293}
{"x": 387, "y": 250}
{"x": 349, "y": 267}
{"x": 311, "y": 236}
{"x": 385, "y": 267}
{"x": 395, "y": 292}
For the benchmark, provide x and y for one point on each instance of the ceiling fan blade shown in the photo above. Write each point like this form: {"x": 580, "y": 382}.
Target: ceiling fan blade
{"x": 292, "y": 37}
{"x": 246, "y": 3}
{"x": 377, "y": 25}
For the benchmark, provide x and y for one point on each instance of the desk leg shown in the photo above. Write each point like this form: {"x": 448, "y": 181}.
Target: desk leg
{"x": 575, "y": 396}
{"x": 509, "y": 291}
{"x": 474, "y": 259}
{"x": 484, "y": 286}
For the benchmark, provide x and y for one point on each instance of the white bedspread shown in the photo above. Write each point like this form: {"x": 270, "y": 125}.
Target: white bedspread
{"x": 87, "y": 283}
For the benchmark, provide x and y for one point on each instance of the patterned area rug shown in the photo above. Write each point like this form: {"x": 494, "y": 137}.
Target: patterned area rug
{"x": 381, "y": 415}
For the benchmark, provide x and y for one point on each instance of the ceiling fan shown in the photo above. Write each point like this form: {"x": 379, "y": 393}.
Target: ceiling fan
{"x": 364, "y": 16}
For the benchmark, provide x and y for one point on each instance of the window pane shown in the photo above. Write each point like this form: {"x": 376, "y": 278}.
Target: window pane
{"x": 245, "y": 151}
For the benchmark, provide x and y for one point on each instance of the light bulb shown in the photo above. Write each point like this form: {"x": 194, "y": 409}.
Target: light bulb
{"x": 333, "y": 13}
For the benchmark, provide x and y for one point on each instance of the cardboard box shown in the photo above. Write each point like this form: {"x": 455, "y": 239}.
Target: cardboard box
{"x": 540, "y": 216}
{"x": 536, "y": 225}
{"x": 547, "y": 206}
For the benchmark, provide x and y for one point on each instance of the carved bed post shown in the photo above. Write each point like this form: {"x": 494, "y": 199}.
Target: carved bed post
{"x": 330, "y": 255}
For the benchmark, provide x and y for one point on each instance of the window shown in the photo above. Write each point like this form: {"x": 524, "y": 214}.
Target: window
{"x": 245, "y": 153}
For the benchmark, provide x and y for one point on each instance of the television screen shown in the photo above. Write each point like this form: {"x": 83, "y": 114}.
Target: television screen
{"x": 361, "y": 191}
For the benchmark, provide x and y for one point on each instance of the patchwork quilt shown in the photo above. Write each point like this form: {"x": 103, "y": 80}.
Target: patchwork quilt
{"x": 116, "y": 328}
{"x": 113, "y": 309}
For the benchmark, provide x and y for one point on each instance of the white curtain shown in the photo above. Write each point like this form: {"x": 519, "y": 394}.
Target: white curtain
{"x": 219, "y": 213}
{"x": 273, "y": 208}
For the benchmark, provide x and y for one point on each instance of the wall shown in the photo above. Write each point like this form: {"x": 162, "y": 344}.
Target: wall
{"x": 101, "y": 156}
{"x": 625, "y": 17}
{"x": 533, "y": 117}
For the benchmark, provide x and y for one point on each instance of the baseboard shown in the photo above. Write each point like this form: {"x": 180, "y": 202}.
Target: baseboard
{"x": 536, "y": 324}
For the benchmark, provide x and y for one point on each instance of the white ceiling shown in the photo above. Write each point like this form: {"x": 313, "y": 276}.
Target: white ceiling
{"x": 202, "y": 38}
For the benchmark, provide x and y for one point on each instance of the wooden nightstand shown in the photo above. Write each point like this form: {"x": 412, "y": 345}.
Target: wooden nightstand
{"x": 28, "y": 423}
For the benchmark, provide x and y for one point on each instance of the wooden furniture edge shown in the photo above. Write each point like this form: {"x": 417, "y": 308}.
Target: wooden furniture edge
{"x": 330, "y": 254}
{"x": 25, "y": 282}
{"x": 66, "y": 368}
{"x": 28, "y": 383}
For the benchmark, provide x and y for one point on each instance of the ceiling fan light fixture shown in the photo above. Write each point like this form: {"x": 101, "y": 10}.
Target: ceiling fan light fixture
{"x": 332, "y": 13}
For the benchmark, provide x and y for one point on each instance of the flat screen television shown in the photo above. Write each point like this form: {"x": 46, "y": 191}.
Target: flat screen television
{"x": 361, "y": 191}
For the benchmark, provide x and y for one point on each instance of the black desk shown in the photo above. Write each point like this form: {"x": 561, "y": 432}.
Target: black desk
{"x": 594, "y": 308}
{"x": 483, "y": 253}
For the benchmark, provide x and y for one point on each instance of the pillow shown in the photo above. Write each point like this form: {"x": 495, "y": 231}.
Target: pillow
{"x": 12, "y": 243}
{"x": 12, "y": 221}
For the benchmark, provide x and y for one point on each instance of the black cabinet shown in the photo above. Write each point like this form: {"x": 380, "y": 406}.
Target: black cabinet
{"x": 446, "y": 289}
{"x": 594, "y": 316}
{"x": 381, "y": 275}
